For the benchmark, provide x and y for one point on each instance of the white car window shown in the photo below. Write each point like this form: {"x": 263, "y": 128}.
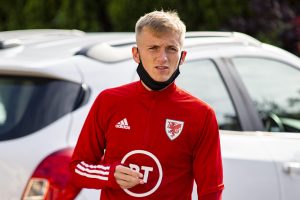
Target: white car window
{"x": 28, "y": 104}
{"x": 275, "y": 89}
{"x": 202, "y": 79}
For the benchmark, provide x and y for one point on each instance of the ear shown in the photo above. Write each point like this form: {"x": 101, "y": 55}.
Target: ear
{"x": 183, "y": 55}
{"x": 135, "y": 54}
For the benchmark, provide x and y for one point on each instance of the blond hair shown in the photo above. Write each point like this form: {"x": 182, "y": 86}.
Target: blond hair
{"x": 161, "y": 22}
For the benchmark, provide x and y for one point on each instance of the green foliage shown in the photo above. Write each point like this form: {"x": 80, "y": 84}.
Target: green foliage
{"x": 265, "y": 20}
{"x": 125, "y": 13}
{"x": 197, "y": 14}
{"x": 87, "y": 15}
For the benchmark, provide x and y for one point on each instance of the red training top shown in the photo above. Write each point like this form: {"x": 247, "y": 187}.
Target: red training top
{"x": 169, "y": 136}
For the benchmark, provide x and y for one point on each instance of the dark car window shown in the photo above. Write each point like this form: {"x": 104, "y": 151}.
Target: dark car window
{"x": 202, "y": 79}
{"x": 28, "y": 104}
{"x": 275, "y": 89}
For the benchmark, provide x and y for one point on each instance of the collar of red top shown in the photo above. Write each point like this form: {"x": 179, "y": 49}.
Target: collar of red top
{"x": 141, "y": 88}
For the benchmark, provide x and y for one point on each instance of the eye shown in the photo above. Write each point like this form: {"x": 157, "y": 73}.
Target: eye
{"x": 153, "y": 48}
{"x": 172, "y": 49}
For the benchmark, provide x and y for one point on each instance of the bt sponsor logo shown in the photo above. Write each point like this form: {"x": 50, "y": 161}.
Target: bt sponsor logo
{"x": 146, "y": 163}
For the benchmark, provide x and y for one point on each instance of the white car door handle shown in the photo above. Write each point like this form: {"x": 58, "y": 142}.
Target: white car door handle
{"x": 292, "y": 168}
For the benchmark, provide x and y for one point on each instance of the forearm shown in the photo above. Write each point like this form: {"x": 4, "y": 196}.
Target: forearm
{"x": 86, "y": 175}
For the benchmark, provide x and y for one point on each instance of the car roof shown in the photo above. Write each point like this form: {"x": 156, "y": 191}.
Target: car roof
{"x": 116, "y": 51}
{"x": 38, "y": 48}
{"x": 48, "y": 44}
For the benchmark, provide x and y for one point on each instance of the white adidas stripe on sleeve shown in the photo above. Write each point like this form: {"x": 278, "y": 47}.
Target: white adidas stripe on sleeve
{"x": 93, "y": 171}
{"x": 103, "y": 178}
{"x": 95, "y": 166}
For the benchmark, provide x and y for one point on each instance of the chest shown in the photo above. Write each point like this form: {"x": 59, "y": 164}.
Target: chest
{"x": 164, "y": 128}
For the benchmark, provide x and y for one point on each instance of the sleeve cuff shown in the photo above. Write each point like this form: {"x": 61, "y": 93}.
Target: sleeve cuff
{"x": 112, "y": 180}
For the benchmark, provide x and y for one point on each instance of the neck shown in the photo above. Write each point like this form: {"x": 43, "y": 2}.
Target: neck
{"x": 149, "y": 89}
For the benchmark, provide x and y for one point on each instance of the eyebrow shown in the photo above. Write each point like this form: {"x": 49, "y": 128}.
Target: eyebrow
{"x": 168, "y": 46}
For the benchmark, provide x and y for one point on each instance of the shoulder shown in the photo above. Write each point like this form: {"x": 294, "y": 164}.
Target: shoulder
{"x": 114, "y": 95}
{"x": 196, "y": 107}
{"x": 123, "y": 90}
{"x": 194, "y": 102}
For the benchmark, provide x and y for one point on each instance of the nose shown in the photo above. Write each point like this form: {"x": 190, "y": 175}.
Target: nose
{"x": 162, "y": 57}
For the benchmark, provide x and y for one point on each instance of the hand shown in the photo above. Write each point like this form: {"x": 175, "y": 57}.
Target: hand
{"x": 127, "y": 178}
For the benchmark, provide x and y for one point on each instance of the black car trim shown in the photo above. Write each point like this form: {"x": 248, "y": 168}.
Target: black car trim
{"x": 249, "y": 118}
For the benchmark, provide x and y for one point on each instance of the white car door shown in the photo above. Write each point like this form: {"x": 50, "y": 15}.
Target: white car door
{"x": 249, "y": 171}
{"x": 285, "y": 151}
{"x": 274, "y": 87}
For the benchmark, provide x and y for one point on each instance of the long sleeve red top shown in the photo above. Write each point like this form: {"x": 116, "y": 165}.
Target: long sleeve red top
{"x": 169, "y": 136}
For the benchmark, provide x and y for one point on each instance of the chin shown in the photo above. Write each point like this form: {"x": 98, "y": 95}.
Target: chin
{"x": 161, "y": 79}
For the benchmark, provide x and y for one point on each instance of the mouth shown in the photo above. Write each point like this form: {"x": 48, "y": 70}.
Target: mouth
{"x": 161, "y": 68}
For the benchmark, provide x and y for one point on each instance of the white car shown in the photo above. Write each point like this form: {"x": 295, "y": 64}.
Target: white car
{"x": 50, "y": 78}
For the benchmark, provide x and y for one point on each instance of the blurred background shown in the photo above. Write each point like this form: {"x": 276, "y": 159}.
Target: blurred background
{"x": 275, "y": 22}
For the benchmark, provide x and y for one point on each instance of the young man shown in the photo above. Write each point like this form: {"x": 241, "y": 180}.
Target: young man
{"x": 149, "y": 139}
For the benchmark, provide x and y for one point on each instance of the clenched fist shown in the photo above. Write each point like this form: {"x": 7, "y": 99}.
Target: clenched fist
{"x": 127, "y": 178}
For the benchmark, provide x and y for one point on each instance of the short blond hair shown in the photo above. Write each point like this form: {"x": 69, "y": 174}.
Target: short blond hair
{"x": 161, "y": 22}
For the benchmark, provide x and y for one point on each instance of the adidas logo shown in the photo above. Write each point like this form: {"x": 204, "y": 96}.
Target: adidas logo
{"x": 123, "y": 124}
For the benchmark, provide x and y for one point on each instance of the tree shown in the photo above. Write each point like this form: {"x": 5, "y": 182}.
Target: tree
{"x": 271, "y": 21}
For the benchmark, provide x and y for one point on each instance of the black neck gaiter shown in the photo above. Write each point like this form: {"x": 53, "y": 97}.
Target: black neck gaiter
{"x": 153, "y": 84}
